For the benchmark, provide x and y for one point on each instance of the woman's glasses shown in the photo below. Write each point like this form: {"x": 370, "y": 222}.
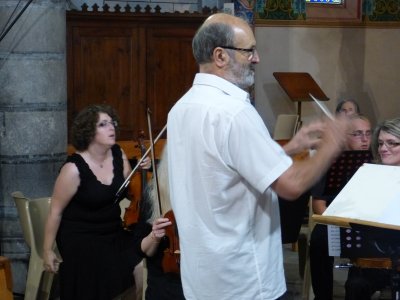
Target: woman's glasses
{"x": 360, "y": 134}
{"x": 106, "y": 123}
{"x": 389, "y": 144}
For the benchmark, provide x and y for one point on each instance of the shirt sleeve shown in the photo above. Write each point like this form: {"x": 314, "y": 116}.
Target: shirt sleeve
{"x": 252, "y": 152}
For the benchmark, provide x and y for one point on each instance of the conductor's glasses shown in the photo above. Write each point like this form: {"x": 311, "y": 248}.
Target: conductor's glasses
{"x": 389, "y": 144}
{"x": 360, "y": 134}
{"x": 248, "y": 52}
{"x": 106, "y": 123}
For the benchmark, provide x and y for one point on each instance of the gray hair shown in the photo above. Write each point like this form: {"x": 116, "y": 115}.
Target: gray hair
{"x": 151, "y": 189}
{"x": 342, "y": 102}
{"x": 389, "y": 126}
{"x": 208, "y": 37}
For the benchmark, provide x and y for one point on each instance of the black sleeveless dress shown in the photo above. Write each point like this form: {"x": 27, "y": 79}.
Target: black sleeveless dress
{"x": 98, "y": 255}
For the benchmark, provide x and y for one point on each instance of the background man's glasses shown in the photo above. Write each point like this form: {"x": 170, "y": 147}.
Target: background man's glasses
{"x": 360, "y": 134}
{"x": 107, "y": 123}
{"x": 250, "y": 52}
{"x": 389, "y": 144}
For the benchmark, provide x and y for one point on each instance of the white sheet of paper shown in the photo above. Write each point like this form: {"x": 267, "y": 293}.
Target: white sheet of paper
{"x": 334, "y": 240}
{"x": 372, "y": 194}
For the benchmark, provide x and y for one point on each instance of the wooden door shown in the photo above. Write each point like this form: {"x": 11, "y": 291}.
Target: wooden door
{"x": 170, "y": 69}
{"x": 105, "y": 69}
{"x": 132, "y": 61}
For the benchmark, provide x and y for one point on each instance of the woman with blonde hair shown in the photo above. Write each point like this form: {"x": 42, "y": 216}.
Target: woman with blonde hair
{"x": 362, "y": 283}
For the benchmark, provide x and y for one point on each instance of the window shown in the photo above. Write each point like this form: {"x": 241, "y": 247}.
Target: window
{"x": 326, "y": 1}
{"x": 333, "y": 10}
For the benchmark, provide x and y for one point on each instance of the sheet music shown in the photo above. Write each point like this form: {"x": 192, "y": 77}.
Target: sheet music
{"x": 334, "y": 240}
{"x": 372, "y": 194}
{"x": 322, "y": 107}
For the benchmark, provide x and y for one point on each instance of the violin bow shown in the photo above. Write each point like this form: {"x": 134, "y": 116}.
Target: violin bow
{"x": 153, "y": 161}
{"x": 128, "y": 179}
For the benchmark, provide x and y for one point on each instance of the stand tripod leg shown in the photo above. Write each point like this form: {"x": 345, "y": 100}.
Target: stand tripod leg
{"x": 395, "y": 276}
{"x": 395, "y": 280}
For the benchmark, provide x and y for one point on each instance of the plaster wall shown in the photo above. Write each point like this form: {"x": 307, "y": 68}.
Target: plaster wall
{"x": 358, "y": 63}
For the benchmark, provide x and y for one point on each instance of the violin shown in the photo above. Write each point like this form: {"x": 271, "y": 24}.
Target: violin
{"x": 171, "y": 260}
{"x": 135, "y": 192}
{"x": 172, "y": 256}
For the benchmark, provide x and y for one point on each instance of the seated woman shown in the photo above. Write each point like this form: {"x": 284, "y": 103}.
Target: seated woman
{"x": 97, "y": 255}
{"x": 362, "y": 283}
{"x": 153, "y": 229}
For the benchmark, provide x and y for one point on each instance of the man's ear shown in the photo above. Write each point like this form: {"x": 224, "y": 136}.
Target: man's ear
{"x": 221, "y": 57}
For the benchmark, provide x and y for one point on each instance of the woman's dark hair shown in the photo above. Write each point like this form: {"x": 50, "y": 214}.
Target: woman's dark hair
{"x": 341, "y": 103}
{"x": 389, "y": 126}
{"x": 84, "y": 126}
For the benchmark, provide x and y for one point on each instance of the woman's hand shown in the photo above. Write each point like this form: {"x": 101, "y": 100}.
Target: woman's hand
{"x": 158, "y": 231}
{"x": 150, "y": 243}
{"x": 146, "y": 163}
{"x": 51, "y": 262}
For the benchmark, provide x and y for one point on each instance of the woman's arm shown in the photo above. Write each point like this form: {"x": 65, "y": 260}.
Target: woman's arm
{"x": 64, "y": 189}
{"x": 150, "y": 243}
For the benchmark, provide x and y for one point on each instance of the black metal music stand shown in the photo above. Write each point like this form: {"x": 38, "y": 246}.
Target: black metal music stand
{"x": 386, "y": 242}
{"x": 343, "y": 169}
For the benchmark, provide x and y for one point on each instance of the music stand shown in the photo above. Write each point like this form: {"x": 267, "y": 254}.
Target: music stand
{"x": 298, "y": 86}
{"x": 387, "y": 243}
{"x": 344, "y": 168}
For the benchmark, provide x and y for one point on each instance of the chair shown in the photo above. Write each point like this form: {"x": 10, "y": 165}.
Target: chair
{"x": 6, "y": 284}
{"x": 307, "y": 292}
{"x": 140, "y": 272}
{"x": 285, "y": 127}
{"x": 33, "y": 214}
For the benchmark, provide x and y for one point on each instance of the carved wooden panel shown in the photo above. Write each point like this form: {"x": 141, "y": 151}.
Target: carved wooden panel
{"x": 132, "y": 61}
{"x": 170, "y": 70}
{"x": 105, "y": 69}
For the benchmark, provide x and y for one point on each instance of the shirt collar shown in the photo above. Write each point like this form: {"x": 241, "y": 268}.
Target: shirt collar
{"x": 221, "y": 84}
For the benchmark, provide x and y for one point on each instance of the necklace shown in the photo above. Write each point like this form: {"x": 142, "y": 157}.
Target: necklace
{"x": 95, "y": 161}
{"x": 101, "y": 165}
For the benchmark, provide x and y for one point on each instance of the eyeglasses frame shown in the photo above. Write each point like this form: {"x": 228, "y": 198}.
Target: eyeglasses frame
{"x": 360, "y": 134}
{"x": 252, "y": 50}
{"x": 389, "y": 144}
{"x": 105, "y": 123}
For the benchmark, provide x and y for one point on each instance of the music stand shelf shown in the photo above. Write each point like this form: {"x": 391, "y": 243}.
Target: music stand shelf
{"x": 346, "y": 222}
{"x": 298, "y": 86}
{"x": 386, "y": 237}
{"x": 387, "y": 242}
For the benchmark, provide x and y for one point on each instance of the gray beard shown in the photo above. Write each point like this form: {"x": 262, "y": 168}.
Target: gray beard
{"x": 243, "y": 81}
